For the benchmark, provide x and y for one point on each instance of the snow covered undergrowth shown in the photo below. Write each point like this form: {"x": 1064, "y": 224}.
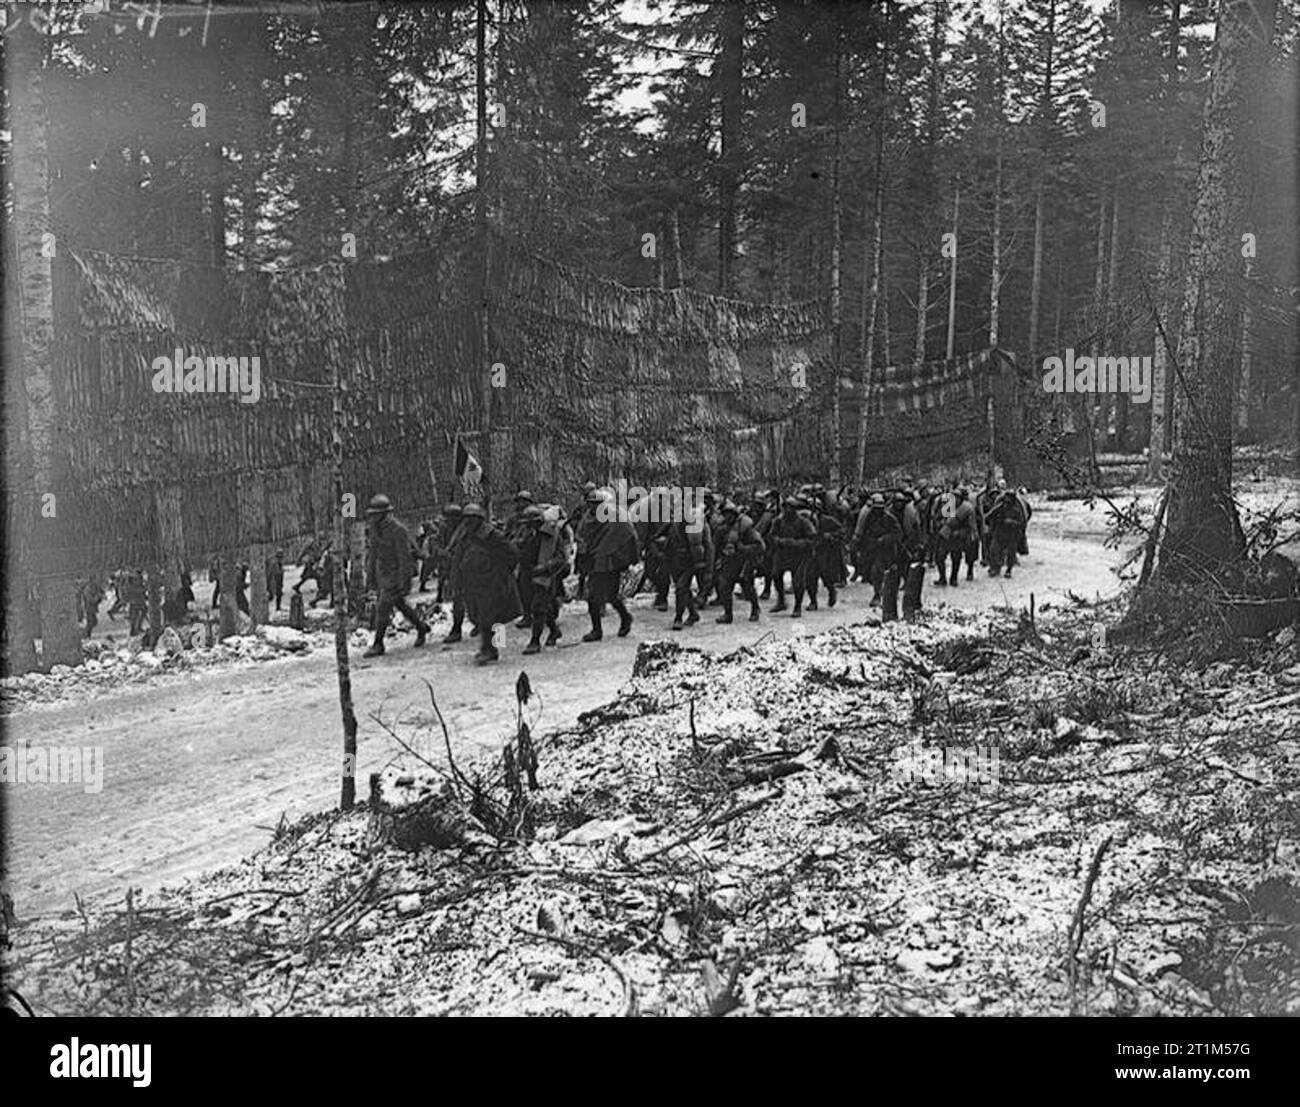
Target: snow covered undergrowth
{"x": 762, "y": 853}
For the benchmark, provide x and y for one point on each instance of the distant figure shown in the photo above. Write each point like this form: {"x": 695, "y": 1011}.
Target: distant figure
{"x": 90, "y": 596}
{"x": 275, "y": 577}
{"x": 176, "y": 607}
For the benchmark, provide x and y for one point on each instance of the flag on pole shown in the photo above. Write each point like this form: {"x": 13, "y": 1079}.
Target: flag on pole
{"x": 468, "y": 469}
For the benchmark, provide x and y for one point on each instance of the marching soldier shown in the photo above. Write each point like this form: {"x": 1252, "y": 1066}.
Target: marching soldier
{"x": 686, "y": 545}
{"x": 389, "y": 569}
{"x": 741, "y": 548}
{"x": 825, "y": 562}
{"x": 487, "y": 578}
{"x": 606, "y": 547}
{"x": 549, "y": 553}
{"x": 877, "y": 538}
{"x": 793, "y": 535}
{"x": 1006, "y": 523}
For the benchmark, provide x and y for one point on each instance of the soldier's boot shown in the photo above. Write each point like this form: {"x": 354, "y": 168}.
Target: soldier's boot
{"x": 780, "y": 597}
{"x": 538, "y": 623}
{"x": 554, "y": 634}
{"x": 376, "y": 647}
{"x": 486, "y": 651}
{"x": 753, "y": 609}
{"x": 524, "y": 623}
{"x": 624, "y": 618}
{"x": 812, "y": 598}
{"x": 421, "y": 633}
{"x": 727, "y": 607}
{"x": 597, "y": 632}
{"x": 889, "y": 596}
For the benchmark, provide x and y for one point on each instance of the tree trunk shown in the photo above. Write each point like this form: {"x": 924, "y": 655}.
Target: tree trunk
{"x": 1113, "y": 338}
{"x": 61, "y": 634}
{"x": 1160, "y": 362}
{"x": 731, "y": 68}
{"x": 1204, "y": 531}
{"x": 481, "y": 233}
{"x": 952, "y": 274}
{"x": 675, "y": 229}
{"x": 1247, "y": 356}
{"x": 837, "y": 245}
{"x": 349, "y": 783}
{"x": 871, "y": 281}
{"x": 1036, "y": 283}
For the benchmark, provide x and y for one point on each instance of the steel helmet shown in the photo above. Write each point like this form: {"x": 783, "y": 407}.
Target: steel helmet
{"x": 473, "y": 511}
{"x": 379, "y": 505}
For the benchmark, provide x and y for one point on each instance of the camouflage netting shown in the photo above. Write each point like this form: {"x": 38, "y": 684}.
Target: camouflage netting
{"x": 596, "y": 381}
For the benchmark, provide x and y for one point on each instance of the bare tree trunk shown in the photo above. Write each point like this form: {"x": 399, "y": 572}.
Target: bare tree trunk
{"x": 27, "y": 49}
{"x": 995, "y": 270}
{"x": 995, "y": 274}
{"x": 952, "y": 274}
{"x": 1111, "y": 403}
{"x": 837, "y": 244}
{"x": 341, "y": 538}
{"x": 871, "y": 282}
{"x": 675, "y": 227}
{"x": 731, "y": 69}
{"x": 1160, "y": 362}
{"x": 1247, "y": 356}
{"x": 1204, "y": 531}
{"x": 1089, "y": 402}
{"x": 1036, "y": 284}
{"x": 481, "y": 232}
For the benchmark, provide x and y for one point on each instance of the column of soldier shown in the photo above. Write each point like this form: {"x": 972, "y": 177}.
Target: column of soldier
{"x": 521, "y": 569}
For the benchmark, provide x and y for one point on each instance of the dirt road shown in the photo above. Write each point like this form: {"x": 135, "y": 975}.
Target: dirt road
{"x": 196, "y": 773}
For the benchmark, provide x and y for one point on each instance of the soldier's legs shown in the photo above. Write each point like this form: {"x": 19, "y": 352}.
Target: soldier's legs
{"x": 799, "y": 582}
{"x": 682, "y": 599}
{"x": 413, "y": 617}
{"x": 749, "y": 592}
{"x": 778, "y": 579}
{"x": 457, "y": 620}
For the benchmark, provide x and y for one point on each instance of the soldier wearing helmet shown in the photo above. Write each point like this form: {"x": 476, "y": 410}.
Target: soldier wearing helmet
{"x": 389, "y": 568}
{"x": 877, "y": 538}
{"x": 740, "y": 549}
{"x": 792, "y": 535}
{"x": 487, "y": 579}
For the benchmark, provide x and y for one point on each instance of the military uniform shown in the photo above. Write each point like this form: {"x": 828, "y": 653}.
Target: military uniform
{"x": 740, "y": 550}
{"x": 389, "y": 569}
{"x": 793, "y": 535}
{"x": 878, "y": 537}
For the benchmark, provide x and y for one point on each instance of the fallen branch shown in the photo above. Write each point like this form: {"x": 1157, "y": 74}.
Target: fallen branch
{"x": 762, "y": 773}
{"x": 1077, "y": 926}
{"x": 743, "y": 809}
{"x": 629, "y": 992}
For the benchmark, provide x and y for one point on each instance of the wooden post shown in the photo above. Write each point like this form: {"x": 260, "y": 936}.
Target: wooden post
{"x": 348, "y": 791}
